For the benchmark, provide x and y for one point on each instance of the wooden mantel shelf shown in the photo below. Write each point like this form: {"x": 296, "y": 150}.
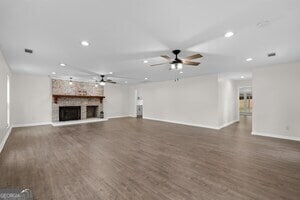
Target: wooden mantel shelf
{"x": 56, "y": 96}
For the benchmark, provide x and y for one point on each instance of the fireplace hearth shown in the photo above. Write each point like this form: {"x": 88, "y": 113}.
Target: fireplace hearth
{"x": 67, "y": 113}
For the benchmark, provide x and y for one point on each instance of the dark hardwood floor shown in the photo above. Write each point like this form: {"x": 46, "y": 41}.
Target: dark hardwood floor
{"x": 132, "y": 158}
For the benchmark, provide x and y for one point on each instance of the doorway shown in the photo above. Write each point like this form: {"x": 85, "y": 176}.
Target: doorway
{"x": 245, "y": 101}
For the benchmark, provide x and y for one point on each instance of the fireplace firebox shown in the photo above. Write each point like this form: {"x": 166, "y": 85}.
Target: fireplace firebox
{"x": 67, "y": 113}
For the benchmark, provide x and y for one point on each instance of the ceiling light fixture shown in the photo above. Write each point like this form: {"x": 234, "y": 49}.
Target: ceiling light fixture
{"x": 70, "y": 81}
{"x": 62, "y": 64}
{"x": 53, "y": 73}
{"x": 145, "y": 61}
{"x": 126, "y": 82}
{"x": 110, "y": 72}
{"x": 181, "y": 72}
{"x": 176, "y": 66}
{"x": 146, "y": 78}
{"x": 85, "y": 43}
{"x": 242, "y": 76}
{"x": 249, "y": 59}
{"x": 96, "y": 85}
{"x": 102, "y": 83}
{"x": 229, "y": 34}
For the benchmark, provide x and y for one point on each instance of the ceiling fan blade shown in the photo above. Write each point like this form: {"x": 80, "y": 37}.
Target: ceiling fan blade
{"x": 186, "y": 62}
{"x": 113, "y": 82}
{"x": 159, "y": 64}
{"x": 166, "y": 57}
{"x": 192, "y": 57}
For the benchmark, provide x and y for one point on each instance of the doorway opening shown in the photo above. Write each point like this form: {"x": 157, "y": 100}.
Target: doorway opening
{"x": 245, "y": 101}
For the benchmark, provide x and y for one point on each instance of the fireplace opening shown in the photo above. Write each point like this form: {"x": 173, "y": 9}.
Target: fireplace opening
{"x": 67, "y": 113}
{"x": 91, "y": 111}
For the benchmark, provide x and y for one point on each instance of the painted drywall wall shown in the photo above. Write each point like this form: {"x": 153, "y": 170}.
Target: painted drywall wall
{"x": 227, "y": 102}
{"x": 276, "y": 97}
{"x": 192, "y": 101}
{"x": 31, "y": 99}
{"x": 117, "y": 100}
{"x": 4, "y": 127}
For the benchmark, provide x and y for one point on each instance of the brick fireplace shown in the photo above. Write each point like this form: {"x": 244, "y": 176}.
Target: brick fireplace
{"x": 79, "y": 101}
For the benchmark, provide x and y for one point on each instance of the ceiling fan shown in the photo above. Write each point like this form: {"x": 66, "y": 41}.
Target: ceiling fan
{"x": 177, "y": 63}
{"x": 102, "y": 82}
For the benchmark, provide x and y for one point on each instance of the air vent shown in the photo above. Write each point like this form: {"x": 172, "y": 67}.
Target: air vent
{"x": 271, "y": 54}
{"x": 28, "y": 51}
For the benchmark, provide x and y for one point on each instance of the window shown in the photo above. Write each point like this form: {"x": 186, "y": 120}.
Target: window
{"x": 8, "y": 101}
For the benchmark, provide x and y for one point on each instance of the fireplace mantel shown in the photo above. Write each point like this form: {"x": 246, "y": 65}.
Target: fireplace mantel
{"x": 56, "y": 96}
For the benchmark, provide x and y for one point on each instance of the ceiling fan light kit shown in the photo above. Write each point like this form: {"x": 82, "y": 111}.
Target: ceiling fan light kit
{"x": 176, "y": 66}
{"x": 177, "y": 63}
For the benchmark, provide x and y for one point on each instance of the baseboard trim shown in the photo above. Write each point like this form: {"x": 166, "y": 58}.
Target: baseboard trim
{"x": 5, "y": 138}
{"x": 121, "y": 116}
{"x": 276, "y": 136}
{"x": 228, "y": 124}
{"x": 32, "y": 124}
{"x": 85, "y": 121}
{"x": 183, "y": 123}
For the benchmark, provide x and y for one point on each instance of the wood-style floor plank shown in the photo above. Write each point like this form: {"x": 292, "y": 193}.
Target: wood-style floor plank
{"x": 130, "y": 158}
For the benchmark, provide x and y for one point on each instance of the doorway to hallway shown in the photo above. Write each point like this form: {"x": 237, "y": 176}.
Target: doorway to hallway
{"x": 245, "y": 101}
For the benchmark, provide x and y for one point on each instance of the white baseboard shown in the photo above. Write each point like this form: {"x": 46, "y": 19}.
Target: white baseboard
{"x": 120, "y": 116}
{"x": 32, "y": 124}
{"x": 286, "y": 137}
{"x": 73, "y": 122}
{"x": 5, "y": 139}
{"x": 228, "y": 124}
{"x": 183, "y": 123}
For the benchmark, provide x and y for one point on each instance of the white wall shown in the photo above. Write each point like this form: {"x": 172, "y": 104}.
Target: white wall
{"x": 227, "y": 102}
{"x": 276, "y": 97}
{"x": 191, "y": 101}
{"x": 31, "y": 99}
{"x": 117, "y": 102}
{"x": 4, "y": 72}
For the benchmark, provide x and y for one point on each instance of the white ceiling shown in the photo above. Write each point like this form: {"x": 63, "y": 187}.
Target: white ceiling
{"x": 123, "y": 33}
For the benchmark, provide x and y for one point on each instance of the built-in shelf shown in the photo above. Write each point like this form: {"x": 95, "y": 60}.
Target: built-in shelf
{"x": 56, "y": 96}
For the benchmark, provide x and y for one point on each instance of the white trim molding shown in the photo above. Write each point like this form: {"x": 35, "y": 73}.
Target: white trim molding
{"x": 73, "y": 122}
{"x": 228, "y": 124}
{"x": 121, "y": 116}
{"x": 183, "y": 123}
{"x": 5, "y": 138}
{"x": 32, "y": 124}
{"x": 285, "y": 137}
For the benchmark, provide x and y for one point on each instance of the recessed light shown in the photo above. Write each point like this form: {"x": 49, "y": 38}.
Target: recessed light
{"x": 62, "y": 64}
{"x": 53, "y": 73}
{"x": 181, "y": 72}
{"x": 146, "y": 78}
{"x": 229, "y": 34}
{"x": 110, "y": 72}
{"x": 145, "y": 61}
{"x": 85, "y": 43}
{"x": 126, "y": 82}
{"x": 249, "y": 59}
{"x": 242, "y": 76}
